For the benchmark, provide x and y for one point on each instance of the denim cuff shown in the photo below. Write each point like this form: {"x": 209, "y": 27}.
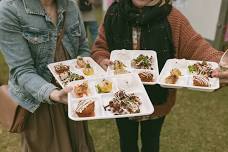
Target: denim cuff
{"x": 44, "y": 93}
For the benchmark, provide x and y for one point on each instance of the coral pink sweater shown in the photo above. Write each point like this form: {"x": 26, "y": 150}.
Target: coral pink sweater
{"x": 188, "y": 44}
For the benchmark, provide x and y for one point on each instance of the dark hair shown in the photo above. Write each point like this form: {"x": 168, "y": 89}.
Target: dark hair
{"x": 85, "y": 5}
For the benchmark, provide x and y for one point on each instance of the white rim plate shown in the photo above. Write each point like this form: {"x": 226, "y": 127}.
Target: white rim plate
{"x": 131, "y": 83}
{"x": 126, "y": 56}
{"x": 185, "y": 81}
{"x": 98, "y": 71}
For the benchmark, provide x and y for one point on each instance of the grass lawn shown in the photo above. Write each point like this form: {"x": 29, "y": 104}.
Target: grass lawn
{"x": 3, "y": 70}
{"x": 198, "y": 123}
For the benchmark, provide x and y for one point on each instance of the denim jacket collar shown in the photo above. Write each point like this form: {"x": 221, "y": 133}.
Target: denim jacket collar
{"x": 34, "y": 7}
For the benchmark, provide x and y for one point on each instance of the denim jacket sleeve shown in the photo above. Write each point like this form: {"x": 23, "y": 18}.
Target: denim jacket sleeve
{"x": 18, "y": 56}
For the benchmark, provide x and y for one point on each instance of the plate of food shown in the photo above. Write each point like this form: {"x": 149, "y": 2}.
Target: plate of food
{"x": 108, "y": 97}
{"x": 75, "y": 69}
{"x": 142, "y": 62}
{"x": 192, "y": 74}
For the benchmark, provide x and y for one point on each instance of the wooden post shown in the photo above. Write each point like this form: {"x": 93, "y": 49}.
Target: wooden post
{"x": 222, "y": 22}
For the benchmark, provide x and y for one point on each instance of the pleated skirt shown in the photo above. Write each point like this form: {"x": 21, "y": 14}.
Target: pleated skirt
{"x": 50, "y": 130}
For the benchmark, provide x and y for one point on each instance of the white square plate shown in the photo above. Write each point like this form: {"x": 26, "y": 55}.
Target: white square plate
{"x": 186, "y": 78}
{"x": 126, "y": 56}
{"x": 130, "y": 83}
{"x": 98, "y": 71}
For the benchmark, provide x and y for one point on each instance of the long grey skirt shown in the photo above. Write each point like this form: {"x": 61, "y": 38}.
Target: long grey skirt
{"x": 50, "y": 130}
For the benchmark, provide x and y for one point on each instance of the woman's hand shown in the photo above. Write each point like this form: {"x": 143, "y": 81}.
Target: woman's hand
{"x": 220, "y": 74}
{"x": 105, "y": 63}
{"x": 60, "y": 96}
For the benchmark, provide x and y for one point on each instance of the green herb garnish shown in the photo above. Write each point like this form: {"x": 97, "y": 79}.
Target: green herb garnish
{"x": 192, "y": 69}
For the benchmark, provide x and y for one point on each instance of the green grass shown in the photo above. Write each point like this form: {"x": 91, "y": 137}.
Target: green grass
{"x": 9, "y": 142}
{"x": 198, "y": 123}
{"x": 3, "y": 70}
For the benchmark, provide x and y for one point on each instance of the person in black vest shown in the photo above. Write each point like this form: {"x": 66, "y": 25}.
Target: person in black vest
{"x": 149, "y": 25}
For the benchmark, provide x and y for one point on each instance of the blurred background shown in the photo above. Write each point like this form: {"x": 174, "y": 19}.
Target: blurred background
{"x": 199, "y": 120}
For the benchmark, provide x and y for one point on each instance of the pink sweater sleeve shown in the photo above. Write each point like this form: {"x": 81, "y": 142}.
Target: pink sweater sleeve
{"x": 100, "y": 48}
{"x": 188, "y": 43}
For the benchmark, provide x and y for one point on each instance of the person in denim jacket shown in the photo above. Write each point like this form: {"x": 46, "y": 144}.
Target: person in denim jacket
{"x": 28, "y": 33}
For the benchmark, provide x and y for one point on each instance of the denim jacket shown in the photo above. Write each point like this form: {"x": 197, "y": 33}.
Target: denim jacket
{"x": 28, "y": 41}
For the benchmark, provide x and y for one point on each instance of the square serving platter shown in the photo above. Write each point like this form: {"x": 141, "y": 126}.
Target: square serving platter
{"x": 127, "y": 56}
{"x": 130, "y": 83}
{"x": 186, "y": 78}
{"x": 73, "y": 67}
